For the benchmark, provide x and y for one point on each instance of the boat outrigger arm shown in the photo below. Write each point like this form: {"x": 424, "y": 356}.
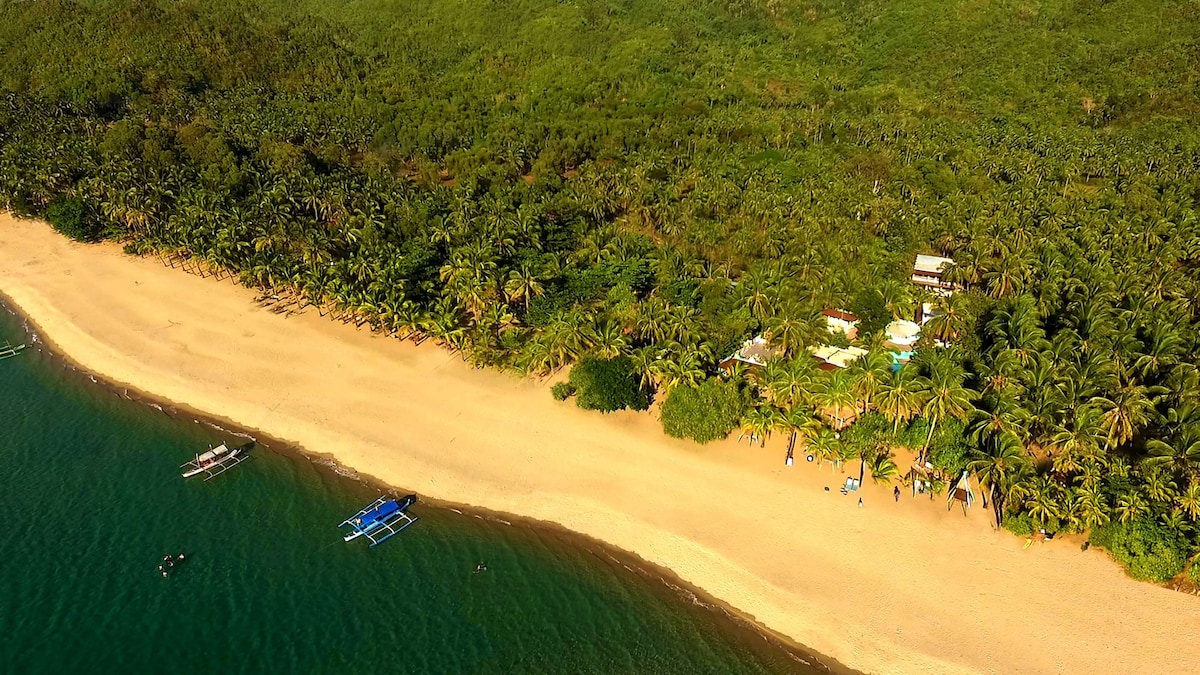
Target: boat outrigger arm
{"x": 214, "y": 462}
{"x": 382, "y": 519}
{"x": 8, "y": 350}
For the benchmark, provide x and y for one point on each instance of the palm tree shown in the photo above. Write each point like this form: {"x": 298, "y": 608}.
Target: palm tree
{"x": 901, "y": 396}
{"x": 1157, "y": 484}
{"x": 1016, "y": 327}
{"x": 946, "y": 398}
{"x": 758, "y": 422}
{"x": 999, "y": 414}
{"x": 608, "y": 339}
{"x": 998, "y": 464}
{"x": 792, "y": 331}
{"x": 1181, "y": 455}
{"x": 757, "y": 291}
{"x": 1131, "y": 504}
{"x": 1124, "y": 412}
{"x": 867, "y": 375}
{"x": 799, "y": 421}
{"x": 824, "y": 446}
{"x": 787, "y": 380}
{"x": 951, "y": 320}
{"x": 882, "y": 466}
{"x": 1042, "y": 501}
{"x": 1189, "y": 499}
{"x": 834, "y": 392}
{"x": 523, "y": 285}
{"x": 1163, "y": 347}
{"x": 1084, "y": 434}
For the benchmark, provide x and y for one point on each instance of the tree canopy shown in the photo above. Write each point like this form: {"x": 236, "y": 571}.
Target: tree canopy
{"x": 534, "y": 182}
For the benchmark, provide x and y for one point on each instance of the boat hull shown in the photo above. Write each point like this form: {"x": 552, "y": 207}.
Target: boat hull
{"x": 223, "y": 459}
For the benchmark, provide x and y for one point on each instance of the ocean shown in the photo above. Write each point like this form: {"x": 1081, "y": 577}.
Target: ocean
{"x": 91, "y": 500}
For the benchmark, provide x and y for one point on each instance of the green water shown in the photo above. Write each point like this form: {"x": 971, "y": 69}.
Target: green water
{"x": 91, "y": 499}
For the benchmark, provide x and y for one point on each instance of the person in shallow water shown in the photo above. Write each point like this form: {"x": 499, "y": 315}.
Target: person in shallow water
{"x": 481, "y": 567}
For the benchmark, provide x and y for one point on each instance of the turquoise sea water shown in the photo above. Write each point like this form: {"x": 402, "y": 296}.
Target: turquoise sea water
{"x": 91, "y": 499}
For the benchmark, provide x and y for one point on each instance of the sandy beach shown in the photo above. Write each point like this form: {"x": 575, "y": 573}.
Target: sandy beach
{"x": 904, "y": 587}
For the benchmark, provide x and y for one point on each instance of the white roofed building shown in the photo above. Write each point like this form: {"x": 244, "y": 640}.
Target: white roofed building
{"x": 755, "y": 352}
{"x": 837, "y": 357}
{"x": 839, "y": 321}
{"x": 928, "y": 271}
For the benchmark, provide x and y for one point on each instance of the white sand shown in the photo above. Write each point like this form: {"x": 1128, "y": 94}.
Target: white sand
{"x": 888, "y": 588}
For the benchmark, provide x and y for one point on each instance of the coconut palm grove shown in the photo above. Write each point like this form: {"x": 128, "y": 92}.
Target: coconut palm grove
{"x": 632, "y": 191}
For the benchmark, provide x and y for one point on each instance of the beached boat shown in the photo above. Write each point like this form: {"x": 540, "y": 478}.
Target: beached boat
{"x": 380, "y": 520}
{"x": 214, "y": 462}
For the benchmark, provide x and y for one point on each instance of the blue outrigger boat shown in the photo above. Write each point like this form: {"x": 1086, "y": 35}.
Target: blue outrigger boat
{"x": 381, "y": 520}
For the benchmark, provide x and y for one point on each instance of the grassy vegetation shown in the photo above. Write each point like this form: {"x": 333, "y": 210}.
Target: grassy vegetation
{"x": 537, "y": 182}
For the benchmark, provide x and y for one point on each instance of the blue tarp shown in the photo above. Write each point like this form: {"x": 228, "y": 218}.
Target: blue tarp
{"x": 378, "y": 513}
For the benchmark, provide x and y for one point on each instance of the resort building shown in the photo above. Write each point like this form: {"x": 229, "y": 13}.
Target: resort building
{"x": 836, "y": 357}
{"x": 839, "y": 321}
{"x": 754, "y": 353}
{"x": 902, "y": 335}
{"x": 928, "y": 271}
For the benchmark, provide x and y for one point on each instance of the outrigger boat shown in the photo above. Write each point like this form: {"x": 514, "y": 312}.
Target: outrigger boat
{"x": 9, "y": 350}
{"x": 214, "y": 462}
{"x": 382, "y": 519}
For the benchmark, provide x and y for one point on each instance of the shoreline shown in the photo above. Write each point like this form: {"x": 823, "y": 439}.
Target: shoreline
{"x": 904, "y": 587}
{"x": 671, "y": 584}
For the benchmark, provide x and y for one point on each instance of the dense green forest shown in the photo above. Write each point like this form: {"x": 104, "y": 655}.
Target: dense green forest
{"x": 646, "y": 185}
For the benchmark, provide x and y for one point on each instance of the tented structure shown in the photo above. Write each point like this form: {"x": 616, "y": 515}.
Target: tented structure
{"x": 962, "y": 494}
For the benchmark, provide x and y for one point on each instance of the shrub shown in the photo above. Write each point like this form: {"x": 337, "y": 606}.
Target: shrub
{"x": 868, "y": 434}
{"x": 871, "y": 311}
{"x": 607, "y": 385}
{"x": 949, "y": 450}
{"x": 561, "y": 391}
{"x": 1019, "y": 524}
{"x": 704, "y": 413}
{"x": 913, "y": 434}
{"x": 68, "y": 216}
{"x": 1146, "y": 548}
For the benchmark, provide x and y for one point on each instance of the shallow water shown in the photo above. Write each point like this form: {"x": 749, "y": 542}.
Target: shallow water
{"x": 91, "y": 499}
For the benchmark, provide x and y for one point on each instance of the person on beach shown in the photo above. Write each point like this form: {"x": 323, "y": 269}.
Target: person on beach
{"x": 896, "y": 492}
{"x": 860, "y": 502}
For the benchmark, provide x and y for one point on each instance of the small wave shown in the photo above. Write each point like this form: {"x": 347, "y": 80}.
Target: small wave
{"x": 335, "y": 467}
{"x": 239, "y": 434}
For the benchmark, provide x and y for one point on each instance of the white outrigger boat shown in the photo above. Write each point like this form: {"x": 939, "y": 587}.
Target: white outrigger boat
{"x": 214, "y": 462}
{"x": 9, "y": 350}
